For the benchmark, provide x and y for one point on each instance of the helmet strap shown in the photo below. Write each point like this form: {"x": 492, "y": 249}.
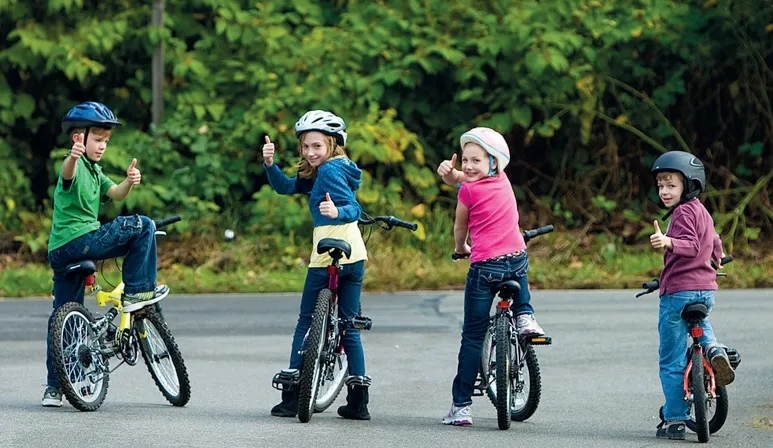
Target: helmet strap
{"x": 491, "y": 170}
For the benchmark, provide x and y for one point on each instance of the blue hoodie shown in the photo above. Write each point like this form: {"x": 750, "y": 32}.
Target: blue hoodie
{"x": 338, "y": 176}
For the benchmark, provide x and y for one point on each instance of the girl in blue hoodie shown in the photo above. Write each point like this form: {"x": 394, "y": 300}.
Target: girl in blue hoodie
{"x": 330, "y": 179}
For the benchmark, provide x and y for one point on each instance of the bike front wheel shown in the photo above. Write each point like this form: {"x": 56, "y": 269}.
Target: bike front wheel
{"x": 162, "y": 356}
{"x": 79, "y": 364}
{"x": 312, "y": 357}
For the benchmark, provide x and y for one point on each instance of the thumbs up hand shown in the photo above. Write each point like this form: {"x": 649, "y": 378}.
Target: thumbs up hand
{"x": 133, "y": 174}
{"x": 447, "y": 166}
{"x": 659, "y": 240}
{"x": 268, "y": 152}
{"x": 328, "y": 208}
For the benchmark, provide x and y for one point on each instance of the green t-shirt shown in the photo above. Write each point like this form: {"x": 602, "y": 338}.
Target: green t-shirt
{"x": 76, "y": 208}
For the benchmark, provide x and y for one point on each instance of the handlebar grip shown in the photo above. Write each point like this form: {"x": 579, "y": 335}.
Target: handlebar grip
{"x": 653, "y": 285}
{"x": 529, "y": 234}
{"x": 726, "y": 260}
{"x": 405, "y": 224}
{"x": 166, "y": 221}
{"x": 456, "y": 256}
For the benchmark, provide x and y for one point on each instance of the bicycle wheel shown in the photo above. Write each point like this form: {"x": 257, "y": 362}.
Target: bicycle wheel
{"x": 312, "y": 357}
{"x": 332, "y": 378}
{"x": 162, "y": 356}
{"x": 81, "y": 368}
{"x": 717, "y": 412}
{"x": 503, "y": 350}
{"x": 699, "y": 396}
{"x": 527, "y": 383}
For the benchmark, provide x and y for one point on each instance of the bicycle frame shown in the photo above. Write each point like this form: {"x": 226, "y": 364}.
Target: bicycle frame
{"x": 696, "y": 332}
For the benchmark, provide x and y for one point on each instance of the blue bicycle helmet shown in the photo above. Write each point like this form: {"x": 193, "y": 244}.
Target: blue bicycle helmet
{"x": 89, "y": 114}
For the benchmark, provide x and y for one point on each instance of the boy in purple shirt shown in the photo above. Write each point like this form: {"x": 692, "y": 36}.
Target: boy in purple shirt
{"x": 689, "y": 245}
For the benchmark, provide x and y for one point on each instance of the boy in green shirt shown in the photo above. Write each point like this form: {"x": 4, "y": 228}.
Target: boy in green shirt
{"x": 77, "y": 235}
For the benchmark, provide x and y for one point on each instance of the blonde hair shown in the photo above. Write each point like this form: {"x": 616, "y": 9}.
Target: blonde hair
{"x": 305, "y": 170}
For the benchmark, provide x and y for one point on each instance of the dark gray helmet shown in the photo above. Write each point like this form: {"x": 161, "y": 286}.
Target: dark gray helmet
{"x": 690, "y": 167}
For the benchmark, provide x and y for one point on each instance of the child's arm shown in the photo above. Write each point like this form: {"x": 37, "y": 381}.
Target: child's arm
{"x": 684, "y": 239}
{"x": 448, "y": 173}
{"x": 71, "y": 162}
{"x": 280, "y": 182}
{"x": 121, "y": 191}
{"x": 337, "y": 191}
{"x": 461, "y": 229}
{"x": 717, "y": 252}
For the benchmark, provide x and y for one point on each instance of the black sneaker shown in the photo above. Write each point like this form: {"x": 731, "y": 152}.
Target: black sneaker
{"x": 671, "y": 430}
{"x": 723, "y": 371}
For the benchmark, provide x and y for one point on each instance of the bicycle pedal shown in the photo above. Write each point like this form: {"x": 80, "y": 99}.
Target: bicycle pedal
{"x": 285, "y": 380}
{"x": 360, "y": 323}
{"x": 538, "y": 340}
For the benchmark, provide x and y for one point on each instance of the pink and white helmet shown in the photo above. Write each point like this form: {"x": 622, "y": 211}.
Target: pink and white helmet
{"x": 490, "y": 140}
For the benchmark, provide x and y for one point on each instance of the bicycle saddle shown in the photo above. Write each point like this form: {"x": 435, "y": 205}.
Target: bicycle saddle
{"x": 508, "y": 288}
{"x": 695, "y": 311}
{"x": 328, "y": 244}
{"x": 84, "y": 267}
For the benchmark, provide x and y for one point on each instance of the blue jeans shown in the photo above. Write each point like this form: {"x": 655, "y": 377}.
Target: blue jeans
{"x": 674, "y": 341}
{"x": 478, "y": 297}
{"x": 349, "y": 288}
{"x": 131, "y": 237}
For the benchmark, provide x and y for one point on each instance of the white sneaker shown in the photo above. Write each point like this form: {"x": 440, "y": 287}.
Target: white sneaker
{"x": 458, "y": 416}
{"x": 527, "y": 324}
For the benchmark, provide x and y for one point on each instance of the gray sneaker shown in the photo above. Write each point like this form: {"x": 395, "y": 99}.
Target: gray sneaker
{"x": 52, "y": 398}
{"x": 134, "y": 302}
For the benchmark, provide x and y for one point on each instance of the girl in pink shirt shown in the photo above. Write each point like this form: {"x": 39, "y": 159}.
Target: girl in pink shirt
{"x": 488, "y": 212}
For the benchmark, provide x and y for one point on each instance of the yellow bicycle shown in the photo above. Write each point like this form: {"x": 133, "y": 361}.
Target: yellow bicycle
{"x": 82, "y": 344}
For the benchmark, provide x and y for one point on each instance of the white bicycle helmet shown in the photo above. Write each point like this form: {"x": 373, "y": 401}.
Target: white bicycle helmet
{"x": 493, "y": 143}
{"x": 322, "y": 121}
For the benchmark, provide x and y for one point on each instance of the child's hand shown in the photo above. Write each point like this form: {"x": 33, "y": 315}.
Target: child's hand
{"x": 268, "y": 152}
{"x": 133, "y": 174}
{"x": 465, "y": 250}
{"x": 327, "y": 208}
{"x": 78, "y": 148}
{"x": 447, "y": 166}
{"x": 660, "y": 241}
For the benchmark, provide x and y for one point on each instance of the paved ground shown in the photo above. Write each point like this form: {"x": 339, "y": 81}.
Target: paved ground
{"x": 600, "y": 380}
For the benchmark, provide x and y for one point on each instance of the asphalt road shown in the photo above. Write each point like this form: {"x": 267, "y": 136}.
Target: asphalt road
{"x": 600, "y": 380}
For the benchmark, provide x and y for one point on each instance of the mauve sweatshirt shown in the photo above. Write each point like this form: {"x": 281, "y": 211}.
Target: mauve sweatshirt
{"x": 687, "y": 267}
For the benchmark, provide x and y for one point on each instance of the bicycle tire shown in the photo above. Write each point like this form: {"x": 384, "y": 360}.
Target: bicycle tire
{"x": 75, "y": 394}
{"x": 535, "y": 387}
{"x": 700, "y": 398}
{"x": 721, "y": 409}
{"x": 150, "y": 336}
{"x": 504, "y": 391}
{"x": 310, "y": 372}
{"x": 322, "y": 403}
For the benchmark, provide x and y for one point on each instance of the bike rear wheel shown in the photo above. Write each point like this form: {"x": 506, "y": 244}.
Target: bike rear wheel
{"x": 717, "y": 412}
{"x": 527, "y": 382}
{"x": 503, "y": 350}
{"x": 82, "y": 370}
{"x": 162, "y": 356}
{"x": 331, "y": 381}
{"x": 700, "y": 397}
{"x": 312, "y": 357}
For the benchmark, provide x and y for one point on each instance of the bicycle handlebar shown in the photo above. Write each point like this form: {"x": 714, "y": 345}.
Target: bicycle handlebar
{"x": 390, "y": 221}
{"x": 166, "y": 221}
{"x": 655, "y": 284}
{"x": 527, "y": 235}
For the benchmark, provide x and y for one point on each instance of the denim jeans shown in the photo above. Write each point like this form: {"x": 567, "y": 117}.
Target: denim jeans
{"x": 349, "y": 288}
{"x": 131, "y": 237}
{"x": 674, "y": 341}
{"x": 478, "y": 297}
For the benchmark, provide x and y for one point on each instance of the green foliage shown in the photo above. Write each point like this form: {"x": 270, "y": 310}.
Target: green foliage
{"x": 587, "y": 93}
